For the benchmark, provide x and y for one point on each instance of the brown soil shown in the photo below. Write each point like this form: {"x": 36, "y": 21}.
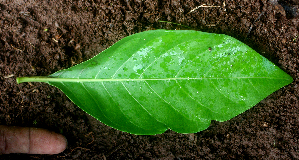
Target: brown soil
{"x": 41, "y": 37}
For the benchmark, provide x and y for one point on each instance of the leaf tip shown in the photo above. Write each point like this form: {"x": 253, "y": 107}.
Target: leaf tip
{"x": 289, "y": 79}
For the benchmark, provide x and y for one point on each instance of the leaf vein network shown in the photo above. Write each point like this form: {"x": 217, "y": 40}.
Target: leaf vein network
{"x": 191, "y": 96}
{"x": 140, "y": 103}
{"x": 160, "y": 57}
{"x": 183, "y": 67}
{"x": 166, "y": 101}
{"x": 222, "y": 93}
{"x": 253, "y": 86}
{"x": 94, "y": 100}
{"x": 119, "y": 108}
{"x": 128, "y": 60}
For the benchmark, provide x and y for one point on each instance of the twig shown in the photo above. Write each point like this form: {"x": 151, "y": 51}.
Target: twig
{"x": 203, "y": 6}
{"x": 16, "y": 48}
{"x": 174, "y": 23}
{"x": 86, "y": 149}
{"x": 258, "y": 18}
{"x": 90, "y": 133}
{"x": 9, "y": 76}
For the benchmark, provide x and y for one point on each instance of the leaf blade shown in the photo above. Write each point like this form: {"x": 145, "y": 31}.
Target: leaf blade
{"x": 170, "y": 79}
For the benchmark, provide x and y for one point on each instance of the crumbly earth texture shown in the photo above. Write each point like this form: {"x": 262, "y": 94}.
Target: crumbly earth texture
{"x": 38, "y": 38}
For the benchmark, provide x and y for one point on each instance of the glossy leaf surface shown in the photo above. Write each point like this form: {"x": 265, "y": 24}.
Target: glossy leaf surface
{"x": 164, "y": 79}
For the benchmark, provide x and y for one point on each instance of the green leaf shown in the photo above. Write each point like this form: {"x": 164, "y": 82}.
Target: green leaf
{"x": 166, "y": 79}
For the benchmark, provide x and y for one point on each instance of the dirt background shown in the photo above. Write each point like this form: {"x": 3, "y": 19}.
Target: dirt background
{"x": 42, "y": 37}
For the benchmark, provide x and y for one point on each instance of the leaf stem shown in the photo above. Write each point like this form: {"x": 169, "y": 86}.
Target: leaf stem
{"x": 32, "y": 79}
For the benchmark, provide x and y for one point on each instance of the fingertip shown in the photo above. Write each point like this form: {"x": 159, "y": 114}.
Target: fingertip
{"x": 46, "y": 142}
{"x": 63, "y": 143}
{"x": 60, "y": 143}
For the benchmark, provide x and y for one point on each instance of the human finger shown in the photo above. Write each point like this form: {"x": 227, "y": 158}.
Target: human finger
{"x": 30, "y": 140}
